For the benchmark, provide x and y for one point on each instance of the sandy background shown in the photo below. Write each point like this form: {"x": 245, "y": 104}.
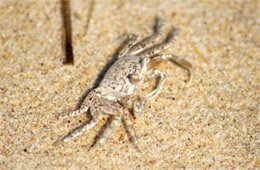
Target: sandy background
{"x": 212, "y": 124}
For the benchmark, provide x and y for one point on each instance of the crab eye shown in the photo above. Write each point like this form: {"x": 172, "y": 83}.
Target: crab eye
{"x": 129, "y": 76}
{"x": 140, "y": 60}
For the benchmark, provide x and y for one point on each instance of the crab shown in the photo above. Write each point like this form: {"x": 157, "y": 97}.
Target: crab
{"x": 117, "y": 91}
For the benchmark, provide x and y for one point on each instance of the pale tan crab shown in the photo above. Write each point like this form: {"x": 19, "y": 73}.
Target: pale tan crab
{"x": 116, "y": 92}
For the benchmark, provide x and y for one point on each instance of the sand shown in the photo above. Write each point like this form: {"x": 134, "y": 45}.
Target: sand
{"x": 213, "y": 123}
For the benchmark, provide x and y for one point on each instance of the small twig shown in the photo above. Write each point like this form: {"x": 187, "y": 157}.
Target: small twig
{"x": 67, "y": 32}
{"x": 90, "y": 11}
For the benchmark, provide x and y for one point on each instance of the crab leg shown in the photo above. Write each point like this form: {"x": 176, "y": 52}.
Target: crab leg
{"x": 180, "y": 61}
{"x": 114, "y": 123}
{"x": 84, "y": 107}
{"x": 160, "y": 84}
{"x": 74, "y": 113}
{"x": 130, "y": 128}
{"x": 135, "y": 103}
{"x": 157, "y": 49}
{"x": 150, "y": 41}
{"x": 130, "y": 42}
{"x": 77, "y": 132}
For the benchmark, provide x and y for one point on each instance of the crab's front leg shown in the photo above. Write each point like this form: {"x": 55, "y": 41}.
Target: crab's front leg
{"x": 136, "y": 104}
{"x": 162, "y": 78}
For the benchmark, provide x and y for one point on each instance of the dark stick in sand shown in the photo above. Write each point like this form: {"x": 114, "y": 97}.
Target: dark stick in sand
{"x": 67, "y": 32}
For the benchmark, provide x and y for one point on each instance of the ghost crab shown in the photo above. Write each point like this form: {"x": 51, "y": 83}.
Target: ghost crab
{"x": 116, "y": 93}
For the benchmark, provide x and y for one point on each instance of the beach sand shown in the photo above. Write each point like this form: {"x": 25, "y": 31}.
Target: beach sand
{"x": 212, "y": 123}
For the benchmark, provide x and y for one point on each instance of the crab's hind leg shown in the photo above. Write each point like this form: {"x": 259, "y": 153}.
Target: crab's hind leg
{"x": 116, "y": 119}
{"x": 178, "y": 60}
{"x": 130, "y": 128}
{"x": 78, "y": 131}
{"x": 130, "y": 42}
{"x": 150, "y": 41}
{"x": 174, "y": 33}
{"x": 83, "y": 109}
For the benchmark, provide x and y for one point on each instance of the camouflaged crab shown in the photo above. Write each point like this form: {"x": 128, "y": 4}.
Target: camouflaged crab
{"x": 116, "y": 93}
